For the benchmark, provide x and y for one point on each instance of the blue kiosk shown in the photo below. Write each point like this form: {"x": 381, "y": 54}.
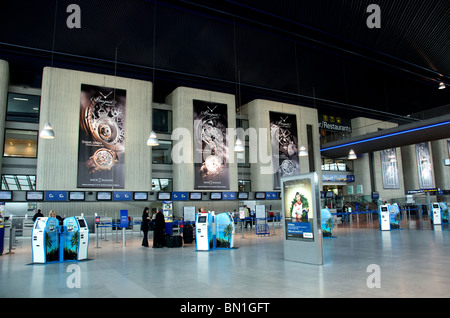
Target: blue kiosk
{"x": 54, "y": 243}
{"x": 204, "y": 240}
{"x": 327, "y": 222}
{"x": 224, "y": 230}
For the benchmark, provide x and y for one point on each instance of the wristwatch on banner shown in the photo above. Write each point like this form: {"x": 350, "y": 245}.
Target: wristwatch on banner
{"x": 102, "y": 159}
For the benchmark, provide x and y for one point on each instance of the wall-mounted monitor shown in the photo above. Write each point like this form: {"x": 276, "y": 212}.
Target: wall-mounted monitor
{"x": 35, "y": 195}
{"x": 215, "y": 196}
{"x": 140, "y": 196}
{"x": 329, "y": 194}
{"x": 6, "y": 195}
{"x": 164, "y": 196}
{"x": 260, "y": 195}
{"x": 242, "y": 195}
{"x": 76, "y": 196}
{"x": 104, "y": 196}
{"x": 195, "y": 195}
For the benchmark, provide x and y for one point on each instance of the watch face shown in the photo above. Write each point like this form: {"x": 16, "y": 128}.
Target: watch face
{"x": 106, "y": 124}
{"x": 104, "y": 158}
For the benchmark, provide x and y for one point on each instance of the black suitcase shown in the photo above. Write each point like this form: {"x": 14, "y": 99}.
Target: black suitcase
{"x": 174, "y": 241}
{"x": 188, "y": 235}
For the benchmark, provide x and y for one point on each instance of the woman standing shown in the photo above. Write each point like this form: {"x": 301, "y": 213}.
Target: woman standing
{"x": 145, "y": 226}
{"x": 160, "y": 226}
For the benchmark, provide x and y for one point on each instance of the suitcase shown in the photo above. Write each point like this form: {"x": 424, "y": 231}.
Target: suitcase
{"x": 174, "y": 241}
{"x": 188, "y": 235}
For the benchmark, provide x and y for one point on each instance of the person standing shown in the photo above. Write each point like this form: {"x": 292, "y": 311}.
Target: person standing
{"x": 145, "y": 225}
{"x": 160, "y": 226}
{"x": 37, "y": 215}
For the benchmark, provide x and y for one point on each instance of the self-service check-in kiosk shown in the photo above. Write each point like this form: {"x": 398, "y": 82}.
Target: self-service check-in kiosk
{"x": 384, "y": 217}
{"x": 52, "y": 242}
{"x": 224, "y": 230}
{"x": 204, "y": 232}
{"x": 45, "y": 240}
{"x": 75, "y": 238}
{"x": 436, "y": 213}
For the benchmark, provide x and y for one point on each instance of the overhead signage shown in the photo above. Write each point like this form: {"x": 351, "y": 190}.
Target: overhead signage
{"x": 430, "y": 190}
{"x": 122, "y": 196}
{"x": 271, "y": 195}
{"x": 338, "y": 178}
{"x": 335, "y": 123}
{"x": 56, "y": 196}
{"x": 179, "y": 196}
{"x": 229, "y": 196}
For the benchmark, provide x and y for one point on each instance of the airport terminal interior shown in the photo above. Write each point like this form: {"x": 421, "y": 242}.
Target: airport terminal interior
{"x": 239, "y": 150}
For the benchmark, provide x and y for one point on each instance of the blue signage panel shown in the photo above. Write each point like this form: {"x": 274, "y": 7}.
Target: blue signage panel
{"x": 298, "y": 227}
{"x": 228, "y": 195}
{"x": 179, "y": 196}
{"x": 56, "y": 196}
{"x": 122, "y": 196}
{"x": 123, "y": 218}
{"x": 271, "y": 195}
{"x": 338, "y": 178}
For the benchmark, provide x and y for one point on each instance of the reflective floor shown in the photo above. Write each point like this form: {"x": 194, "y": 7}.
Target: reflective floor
{"x": 360, "y": 261}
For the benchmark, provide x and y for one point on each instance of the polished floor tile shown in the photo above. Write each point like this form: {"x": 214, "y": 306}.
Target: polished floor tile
{"x": 413, "y": 262}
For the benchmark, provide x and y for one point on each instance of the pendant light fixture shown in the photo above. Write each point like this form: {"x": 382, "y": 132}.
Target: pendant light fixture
{"x": 351, "y": 155}
{"x": 238, "y": 146}
{"x": 47, "y": 132}
{"x": 303, "y": 152}
{"x": 152, "y": 140}
{"x": 441, "y": 85}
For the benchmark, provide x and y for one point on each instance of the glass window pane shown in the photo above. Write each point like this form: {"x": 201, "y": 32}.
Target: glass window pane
{"x": 163, "y": 152}
{"x": 162, "y": 120}
{"x": 18, "y": 182}
{"x": 24, "y": 108}
{"x": 20, "y": 143}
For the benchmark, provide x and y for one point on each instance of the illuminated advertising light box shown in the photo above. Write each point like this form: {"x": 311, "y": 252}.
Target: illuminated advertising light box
{"x": 302, "y": 224}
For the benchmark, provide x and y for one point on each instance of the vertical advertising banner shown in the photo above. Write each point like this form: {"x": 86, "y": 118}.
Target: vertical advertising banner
{"x": 389, "y": 168}
{"x": 299, "y": 209}
{"x": 101, "y": 144}
{"x": 284, "y": 141}
{"x": 210, "y": 146}
{"x": 424, "y": 165}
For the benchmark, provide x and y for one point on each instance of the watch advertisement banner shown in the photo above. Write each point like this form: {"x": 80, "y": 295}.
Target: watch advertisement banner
{"x": 210, "y": 146}
{"x": 101, "y": 143}
{"x": 389, "y": 168}
{"x": 298, "y": 209}
{"x": 284, "y": 141}
{"x": 424, "y": 165}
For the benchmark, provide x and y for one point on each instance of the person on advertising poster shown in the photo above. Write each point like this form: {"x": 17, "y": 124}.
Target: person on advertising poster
{"x": 298, "y": 210}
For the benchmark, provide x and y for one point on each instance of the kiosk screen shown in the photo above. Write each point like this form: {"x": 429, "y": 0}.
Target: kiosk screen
{"x": 384, "y": 209}
{"x": 202, "y": 219}
{"x": 81, "y": 222}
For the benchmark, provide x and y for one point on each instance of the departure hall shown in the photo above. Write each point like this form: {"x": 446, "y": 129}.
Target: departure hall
{"x": 249, "y": 152}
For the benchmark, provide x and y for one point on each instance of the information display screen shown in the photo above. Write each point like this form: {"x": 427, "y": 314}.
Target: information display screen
{"x": 195, "y": 196}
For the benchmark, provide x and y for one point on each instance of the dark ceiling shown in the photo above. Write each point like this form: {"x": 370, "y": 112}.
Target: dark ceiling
{"x": 318, "y": 53}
